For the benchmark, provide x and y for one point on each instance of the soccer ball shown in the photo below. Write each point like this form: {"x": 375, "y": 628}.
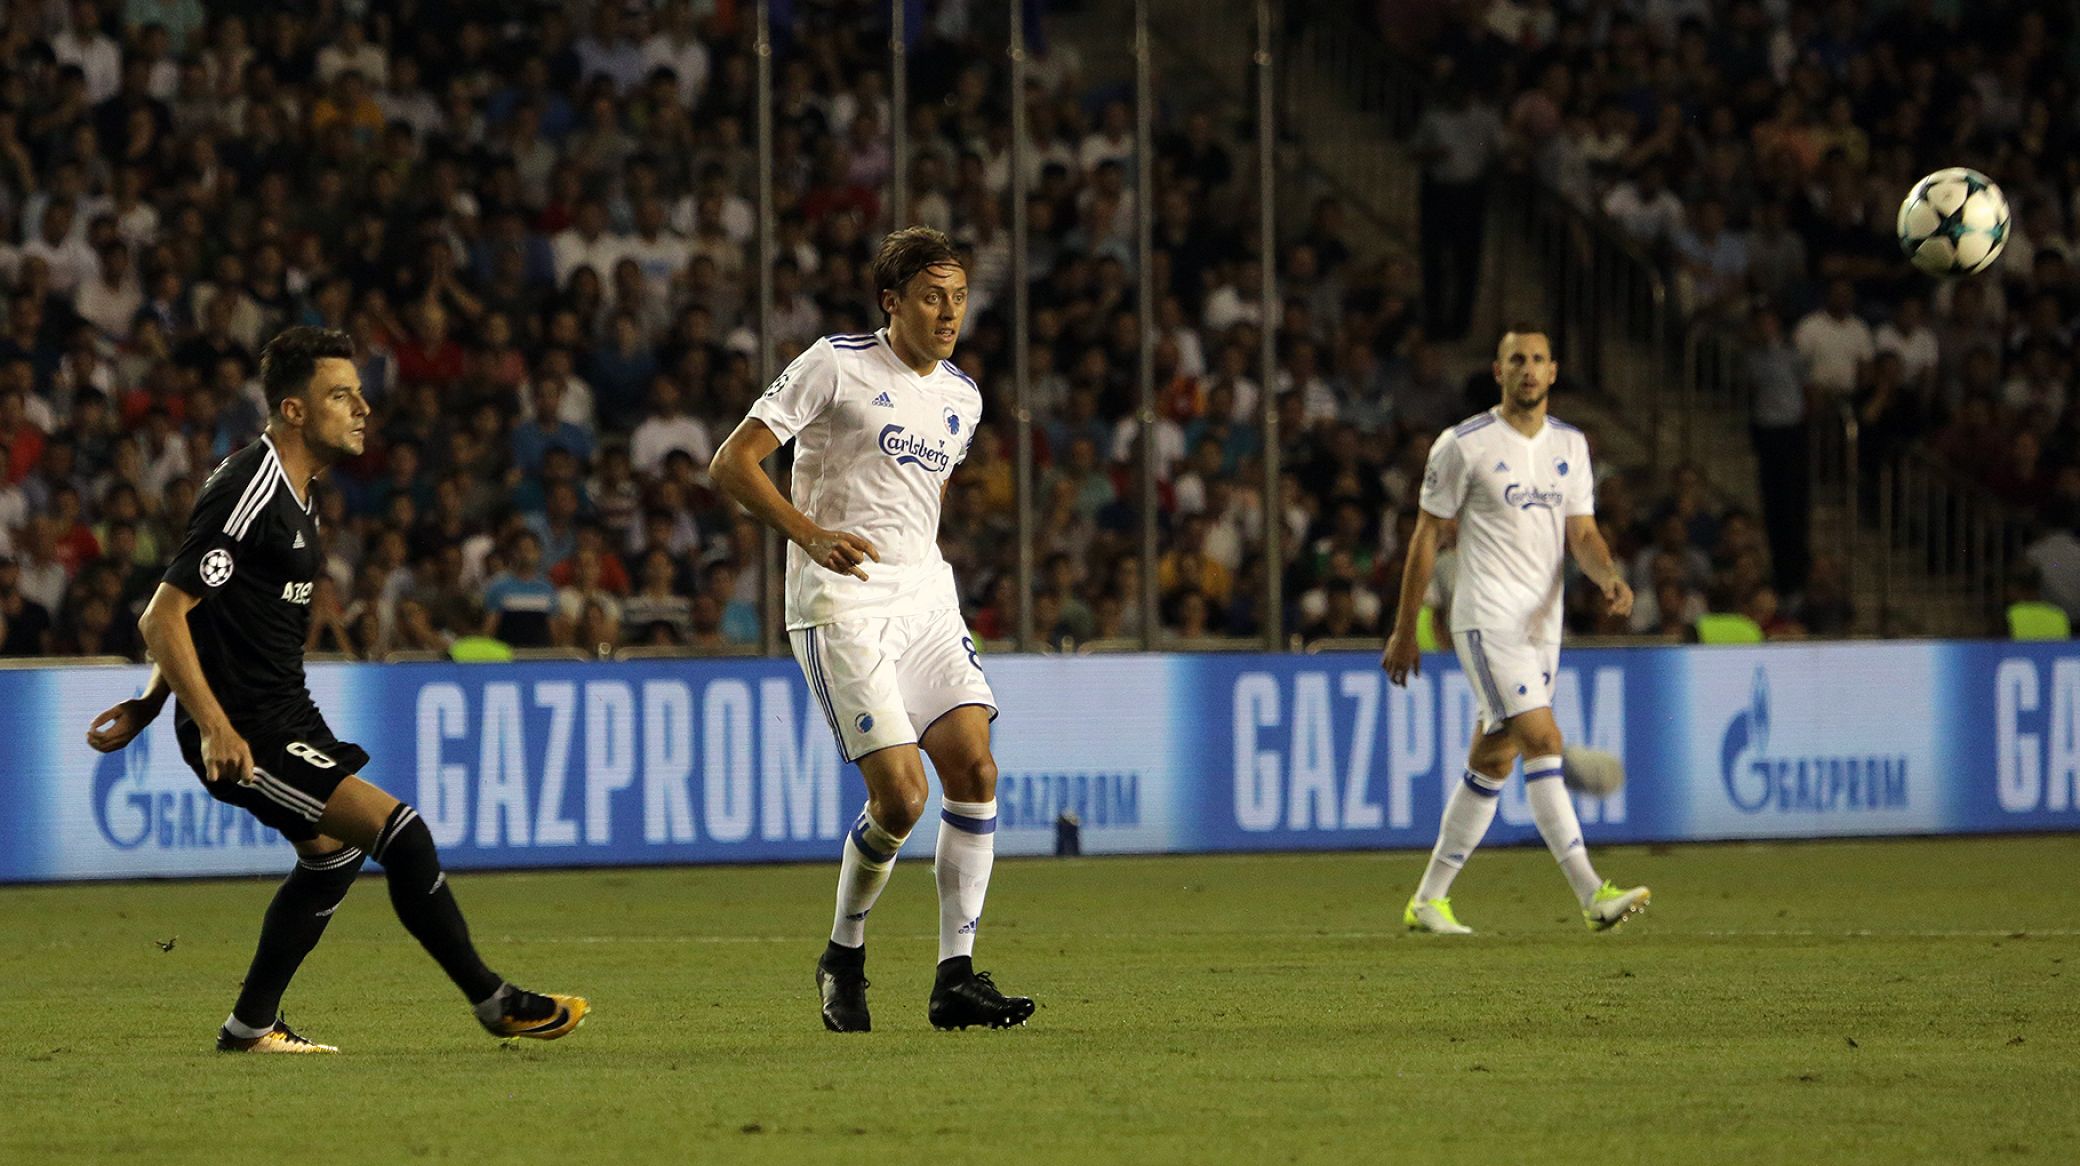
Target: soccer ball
{"x": 1954, "y": 222}
{"x": 1591, "y": 771}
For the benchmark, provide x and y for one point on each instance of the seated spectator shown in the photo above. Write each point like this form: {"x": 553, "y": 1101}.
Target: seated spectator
{"x": 668, "y": 428}
{"x": 547, "y": 430}
{"x": 1339, "y": 617}
{"x": 739, "y": 615}
{"x": 519, "y": 602}
{"x": 584, "y": 591}
{"x": 659, "y": 599}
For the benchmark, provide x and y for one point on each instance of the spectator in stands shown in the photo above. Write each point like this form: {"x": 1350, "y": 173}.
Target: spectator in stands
{"x": 1645, "y": 208}
{"x": 548, "y": 430}
{"x": 668, "y": 428}
{"x": 1458, "y": 144}
{"x": 25, "y": 624}
{"x": 1909, "y": 335}
{"x": 1834, "y": 345}
{"x": 520, "y": 601}
{"x": 1779, "y": 429}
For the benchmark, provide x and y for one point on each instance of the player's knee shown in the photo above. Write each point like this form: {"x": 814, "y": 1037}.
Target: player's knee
{"x": 973, "y": 780}
{"x": 898, "y": 807}
{"x": 404, "y": 842}
{"x": 1493, "y": 756}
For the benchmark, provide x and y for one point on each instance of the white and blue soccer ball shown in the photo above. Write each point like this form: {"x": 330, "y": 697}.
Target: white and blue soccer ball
{"x": 1954, "y": 222}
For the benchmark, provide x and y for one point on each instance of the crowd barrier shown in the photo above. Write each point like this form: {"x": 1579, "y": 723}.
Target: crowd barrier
{"x": 704, "y": 761}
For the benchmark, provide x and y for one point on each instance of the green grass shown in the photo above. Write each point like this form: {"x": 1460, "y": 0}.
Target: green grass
{"x": 1879, "y": 1002}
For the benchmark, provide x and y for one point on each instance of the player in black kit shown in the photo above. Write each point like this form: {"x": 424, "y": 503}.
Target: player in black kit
{"x": 226, "y": 629}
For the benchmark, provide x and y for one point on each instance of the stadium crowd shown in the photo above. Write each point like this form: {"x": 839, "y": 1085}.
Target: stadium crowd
{"x": 539, "y": 230}
{"x": 1759, "y": 150}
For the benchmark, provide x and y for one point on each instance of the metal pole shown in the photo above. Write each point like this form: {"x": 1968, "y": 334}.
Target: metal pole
{"x": 1887, "y": 550}
{"x": 1851, "y": 487}
{"x": 773, "y": 562}
{"x": 1143, "y": 234}
{"x": 1267, "y": 355}
{"x": 1021, "y": 374}
{"x": 898, "y": 116}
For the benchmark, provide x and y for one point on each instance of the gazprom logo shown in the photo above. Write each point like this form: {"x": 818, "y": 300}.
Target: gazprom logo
{"x": 1526, "y": 497}
{"x": 910, "y": 449}
{"x": 1759, "y": 779}
{"x": 122, "y": 803}
{"x": 143, "y": 801}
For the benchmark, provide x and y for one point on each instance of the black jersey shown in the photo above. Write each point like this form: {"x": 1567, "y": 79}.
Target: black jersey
{"x": 250, "y": 556}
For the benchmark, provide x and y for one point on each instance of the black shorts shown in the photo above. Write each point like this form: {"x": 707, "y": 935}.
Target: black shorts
{"x": 293, "y": 777}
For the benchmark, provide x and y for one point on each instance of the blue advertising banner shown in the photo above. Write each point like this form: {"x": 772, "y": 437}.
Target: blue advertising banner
{"x": 731, "y": 761}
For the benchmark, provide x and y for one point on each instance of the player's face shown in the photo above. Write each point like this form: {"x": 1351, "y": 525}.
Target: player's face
{"x": 335, "y": 413}
{"x": 929, "y": 311}
{"x": 1525, "y": 369}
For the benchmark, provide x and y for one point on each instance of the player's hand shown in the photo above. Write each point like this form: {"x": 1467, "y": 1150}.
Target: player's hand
{"x": 841, "y": 551}
{"x": 1617, "y": 597}
{"x": 1402, "y": 658}
{"x": 119, "y": 725}
{"x": 226, "y": 756}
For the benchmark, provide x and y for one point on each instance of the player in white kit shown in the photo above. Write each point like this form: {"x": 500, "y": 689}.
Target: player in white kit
{"x": 879, "y": 421}
{"x": 1519, "y": 485}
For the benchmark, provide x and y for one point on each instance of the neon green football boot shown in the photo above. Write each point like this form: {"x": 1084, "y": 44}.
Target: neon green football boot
{"x": 1613, "y": 905}
{"x": 1434, "y": 916}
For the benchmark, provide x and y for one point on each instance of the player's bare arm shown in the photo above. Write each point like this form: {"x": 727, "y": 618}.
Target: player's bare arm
{"x": 119, "y": 724}
{"x": 1594, "y": 555}
{"x": 225, "y": 754}
{"x": 1403, "y": 656}
{"x": 736, "y": 468}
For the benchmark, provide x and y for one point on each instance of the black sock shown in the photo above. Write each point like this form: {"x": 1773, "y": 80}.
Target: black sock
{"x": 424, "y": 904}
{"x": 839, "y": 958}
{"x": 959, "y": 967}
{"x": 294, "y": 922}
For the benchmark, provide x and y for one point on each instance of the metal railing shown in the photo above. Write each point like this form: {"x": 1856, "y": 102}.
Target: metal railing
{"x": 1372, "y": 79}
{"x": 1713, "y": 382}
{"x": 1959, "y": 538}
{"x": 1311, "y": 51}
{"x": 1602, "y": 299}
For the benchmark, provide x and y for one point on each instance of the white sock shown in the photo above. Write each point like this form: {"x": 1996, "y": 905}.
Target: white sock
{"x": 244, "y": 1031}
{"x": 870, "y": 857}
{"x": 967, "y": 850}
{"x": 1552, "y": 807}
{"x": 1467, "y": 815}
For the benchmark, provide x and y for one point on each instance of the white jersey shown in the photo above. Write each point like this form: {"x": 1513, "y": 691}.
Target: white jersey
{"x": 1512, "y": 495}
{"x": 874, "y": 444}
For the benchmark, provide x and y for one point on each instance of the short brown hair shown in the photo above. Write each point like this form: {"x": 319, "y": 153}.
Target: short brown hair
{"x": 1525, "y": 328}
{"x": 291, "y": 359}
{"x": 908, "y": 251}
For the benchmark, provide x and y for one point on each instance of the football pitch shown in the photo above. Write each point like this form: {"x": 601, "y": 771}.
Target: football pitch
{"x": 1900, "y": 1001}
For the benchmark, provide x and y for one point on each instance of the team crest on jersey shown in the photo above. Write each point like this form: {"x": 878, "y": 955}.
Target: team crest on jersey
{"x": 1560, "y": 464}
{"x": 953, "y": 423}
{"x": 216, "y": 567}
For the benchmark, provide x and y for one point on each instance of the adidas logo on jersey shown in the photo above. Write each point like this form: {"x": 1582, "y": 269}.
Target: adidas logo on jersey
{"x": 298, "y": 544}
{"x": 885, "y": 401}
{"x": 1502, "y": 467}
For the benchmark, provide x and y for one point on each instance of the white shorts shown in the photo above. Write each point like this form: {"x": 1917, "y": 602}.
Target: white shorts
{"x": 883, "y": 681}
{"x": 1507, "y": 676}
